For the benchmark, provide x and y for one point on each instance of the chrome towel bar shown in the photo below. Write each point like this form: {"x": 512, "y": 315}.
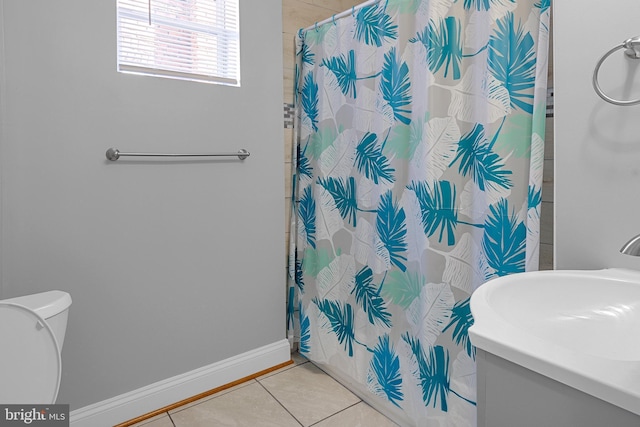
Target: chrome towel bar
{"x": 114, "y": 154}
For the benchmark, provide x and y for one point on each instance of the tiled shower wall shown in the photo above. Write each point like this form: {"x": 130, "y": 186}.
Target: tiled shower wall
{"x": 546, "y": 220}
{"x": 298, "y": 14}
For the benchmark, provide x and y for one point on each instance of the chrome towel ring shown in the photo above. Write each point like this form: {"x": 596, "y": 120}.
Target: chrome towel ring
{"x": 632, "y": 51}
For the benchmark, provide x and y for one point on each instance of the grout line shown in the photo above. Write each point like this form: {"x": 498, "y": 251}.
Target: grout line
{"x": 279, "y": 403}
{"x": 171, "y": 419}
{"x": 341, "y": 410}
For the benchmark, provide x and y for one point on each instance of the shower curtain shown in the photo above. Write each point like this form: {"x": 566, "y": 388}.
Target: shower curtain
{"x": 417, "y": 177}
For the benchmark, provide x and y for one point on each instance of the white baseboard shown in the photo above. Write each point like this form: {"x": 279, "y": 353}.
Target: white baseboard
{"x": 166, "y": 392}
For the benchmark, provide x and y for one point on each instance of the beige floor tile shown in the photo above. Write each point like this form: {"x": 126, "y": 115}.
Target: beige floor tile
{"x": 298, "y": 359}
{"x": 247, "y": 406}
{"x": 218, "y": 394}
{"x": 161, "y": 420}
{"x": 309, "y": 394}
{"x": 360, "y": 415}
{"x": 285, "y": 368}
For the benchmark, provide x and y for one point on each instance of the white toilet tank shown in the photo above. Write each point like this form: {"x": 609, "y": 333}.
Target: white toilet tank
{"x": 52, "y": 306}
{"x": 32, "y": 330}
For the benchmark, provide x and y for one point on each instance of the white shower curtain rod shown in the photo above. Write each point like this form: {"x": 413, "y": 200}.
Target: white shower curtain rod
{"x": 342, "y": 14}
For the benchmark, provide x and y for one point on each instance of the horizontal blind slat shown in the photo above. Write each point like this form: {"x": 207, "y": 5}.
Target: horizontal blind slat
{"x": 188, "y": 39}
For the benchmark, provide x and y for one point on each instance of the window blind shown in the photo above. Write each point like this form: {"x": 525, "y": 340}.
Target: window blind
{"x": 184, "y": 39}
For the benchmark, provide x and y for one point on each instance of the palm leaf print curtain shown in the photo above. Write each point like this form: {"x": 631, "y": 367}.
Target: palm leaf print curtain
{"x": 418, "y": 172}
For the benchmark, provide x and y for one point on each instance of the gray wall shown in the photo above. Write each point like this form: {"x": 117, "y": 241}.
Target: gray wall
{"x": 597, "y": 145}
{"x": 171, "y": 265}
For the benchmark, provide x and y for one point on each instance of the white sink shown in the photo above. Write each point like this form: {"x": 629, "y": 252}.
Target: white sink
{"x": 581, "y": 328}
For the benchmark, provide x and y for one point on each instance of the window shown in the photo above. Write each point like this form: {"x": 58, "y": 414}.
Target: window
{"x": 182, "y": 39}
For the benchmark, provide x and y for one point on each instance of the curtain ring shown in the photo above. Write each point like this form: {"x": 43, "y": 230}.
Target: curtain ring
{"x": 316, "y": 25}
{"x": 353, "y": 11}
{"x": 333, "y": 19}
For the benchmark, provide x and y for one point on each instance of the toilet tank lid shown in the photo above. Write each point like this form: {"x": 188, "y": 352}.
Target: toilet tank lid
{"x": 46, "y": 304}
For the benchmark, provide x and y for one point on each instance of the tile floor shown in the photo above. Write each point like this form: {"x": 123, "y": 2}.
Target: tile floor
{"x": 296, "y": 395}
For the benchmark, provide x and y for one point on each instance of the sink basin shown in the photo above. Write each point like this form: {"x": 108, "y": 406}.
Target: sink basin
{"x": 581, "y": 328}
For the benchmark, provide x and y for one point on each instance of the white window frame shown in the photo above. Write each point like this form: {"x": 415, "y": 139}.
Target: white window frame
{"x": 165, "y": 46}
